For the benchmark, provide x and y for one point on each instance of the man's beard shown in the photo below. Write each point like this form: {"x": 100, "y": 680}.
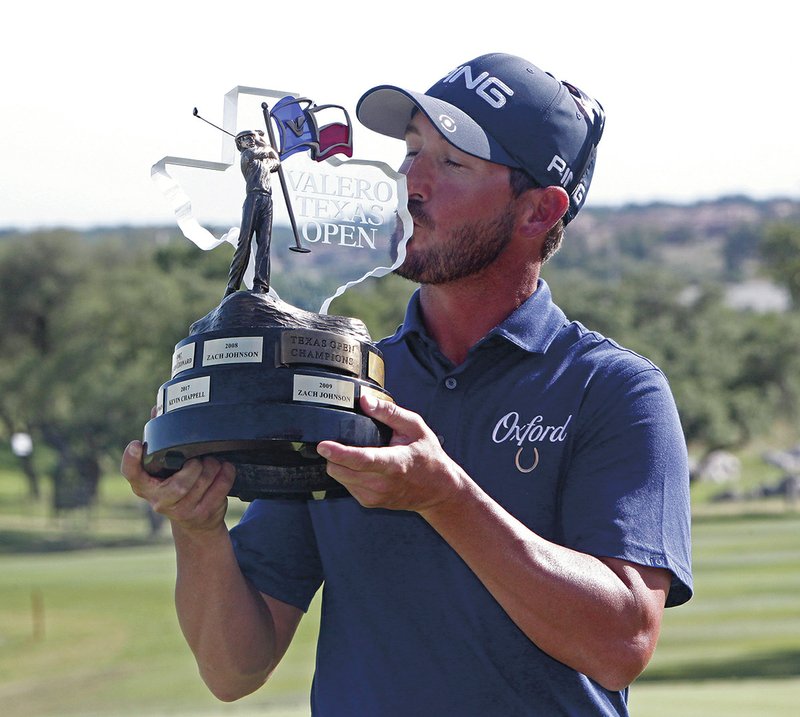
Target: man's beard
{"x": 468, "y": 250}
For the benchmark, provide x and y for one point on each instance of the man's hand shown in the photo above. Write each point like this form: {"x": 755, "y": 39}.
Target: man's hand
{"x": 412, "y": 473}
{"x": 194, "y": 498}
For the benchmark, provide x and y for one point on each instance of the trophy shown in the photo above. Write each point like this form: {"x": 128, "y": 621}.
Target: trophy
{"x": 259, "y": 381}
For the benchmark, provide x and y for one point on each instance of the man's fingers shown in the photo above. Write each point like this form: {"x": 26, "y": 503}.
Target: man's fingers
{"x": 131, "y": 459}
{"x": 212, "y": 483}
{"x": 400, "y": 420}
{"x": 192, "y": 479}
{"x": 131, "y": 468}
{"x": 198, "y": 480}
{"x": 221, "y": 485}
{"x": 352, "y": 457}
{"x": 406, "y": 426}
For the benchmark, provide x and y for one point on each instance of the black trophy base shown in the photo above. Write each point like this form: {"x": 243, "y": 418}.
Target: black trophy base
{"x": 260, "y": 383}
{"x": 272, "y": 446}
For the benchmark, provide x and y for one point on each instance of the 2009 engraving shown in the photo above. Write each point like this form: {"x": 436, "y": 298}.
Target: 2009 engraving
{"x": 327, "y": 391}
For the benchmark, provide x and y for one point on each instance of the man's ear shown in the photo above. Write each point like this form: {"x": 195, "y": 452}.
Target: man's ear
{"x": 540, "y": 209}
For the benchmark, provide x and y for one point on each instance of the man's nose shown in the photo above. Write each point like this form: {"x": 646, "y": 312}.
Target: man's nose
{"x": 418, "y": 173}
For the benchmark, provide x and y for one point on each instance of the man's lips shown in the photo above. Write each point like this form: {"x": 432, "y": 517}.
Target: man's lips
{"x": 418, "y": 214}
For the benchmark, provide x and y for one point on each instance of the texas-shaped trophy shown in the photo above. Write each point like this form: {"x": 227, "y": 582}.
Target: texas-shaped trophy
{"x": 268, "y": 373}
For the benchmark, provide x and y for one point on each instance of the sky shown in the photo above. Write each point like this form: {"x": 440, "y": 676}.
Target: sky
{"x": 700, "y": 97}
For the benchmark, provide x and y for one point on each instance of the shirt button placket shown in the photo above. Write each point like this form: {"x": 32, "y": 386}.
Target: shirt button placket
{"x": 450, "y": 383}
{"x": 446, "y": 413}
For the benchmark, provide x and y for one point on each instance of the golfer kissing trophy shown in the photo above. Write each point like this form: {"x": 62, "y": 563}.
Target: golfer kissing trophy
{"x": 260, "y": 381}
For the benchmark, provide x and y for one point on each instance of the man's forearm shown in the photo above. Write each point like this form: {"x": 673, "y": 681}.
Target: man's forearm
{"x": 600, "y": 617}
{"x": 225, "y": 621}
{"x": 237, "y": 635}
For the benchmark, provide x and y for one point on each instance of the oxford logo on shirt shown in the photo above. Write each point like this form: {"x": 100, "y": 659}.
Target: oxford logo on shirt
{"x": 528, "y": 435}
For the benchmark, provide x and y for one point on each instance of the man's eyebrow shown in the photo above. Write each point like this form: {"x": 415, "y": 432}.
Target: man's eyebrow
{"x": 411, "y": 128}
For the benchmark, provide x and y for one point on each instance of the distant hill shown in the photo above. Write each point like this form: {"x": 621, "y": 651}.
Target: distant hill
{"x": 715, "y": 240}
{"x": 711, "y": 240}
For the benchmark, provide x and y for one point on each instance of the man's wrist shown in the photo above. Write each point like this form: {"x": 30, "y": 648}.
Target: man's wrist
{"x": 200, "y": 536}
{"x": 460, "y": 492}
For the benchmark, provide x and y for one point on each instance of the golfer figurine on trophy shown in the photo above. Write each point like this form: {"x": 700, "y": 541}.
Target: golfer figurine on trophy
{"x": 259, "y": 382}
{"x": 259, "y": 160}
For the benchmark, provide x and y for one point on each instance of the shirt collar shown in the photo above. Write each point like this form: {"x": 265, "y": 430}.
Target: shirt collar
{"x": 532, "y": 326}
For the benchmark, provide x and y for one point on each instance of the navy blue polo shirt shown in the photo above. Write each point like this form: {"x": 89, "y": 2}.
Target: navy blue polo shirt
{"x": 575, "y": 436}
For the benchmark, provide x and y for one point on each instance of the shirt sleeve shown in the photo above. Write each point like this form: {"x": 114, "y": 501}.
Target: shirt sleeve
{"x": 276, "y": 549}
{"x": 626, "y": 489}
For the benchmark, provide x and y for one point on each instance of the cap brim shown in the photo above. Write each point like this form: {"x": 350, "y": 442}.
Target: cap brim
{"x": 388, "y": 110}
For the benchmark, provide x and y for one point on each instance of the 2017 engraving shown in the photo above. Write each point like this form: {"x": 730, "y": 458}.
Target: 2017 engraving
{"x": 188, "y": 393}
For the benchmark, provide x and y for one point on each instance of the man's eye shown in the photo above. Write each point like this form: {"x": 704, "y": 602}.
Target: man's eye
{"x": 451, "y": 163}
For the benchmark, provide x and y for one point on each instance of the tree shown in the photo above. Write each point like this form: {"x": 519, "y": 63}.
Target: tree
{"x": 732, "y": 373}
{"x": 38, "y": 274}
{"x": 90, "y": 332}
{"x": 741, "y": 246}
{"x": 780, "y": 251}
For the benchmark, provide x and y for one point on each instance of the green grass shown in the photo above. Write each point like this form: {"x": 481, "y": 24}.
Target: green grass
{"x": 720, "y": 698}
{"x": 734, "y": 649}
{"x": 106, "y": 641}
{"x": 745, "y": 618}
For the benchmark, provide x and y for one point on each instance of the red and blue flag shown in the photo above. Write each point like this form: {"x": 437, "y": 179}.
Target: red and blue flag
{"x": 300, "y": 129}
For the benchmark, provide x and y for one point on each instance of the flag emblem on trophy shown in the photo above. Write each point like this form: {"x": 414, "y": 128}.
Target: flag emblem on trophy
{"x": 301, "y": 128}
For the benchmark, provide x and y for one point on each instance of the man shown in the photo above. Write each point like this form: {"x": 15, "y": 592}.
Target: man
{"x": 258, "y": 161}
{"x": 512, "y": 550}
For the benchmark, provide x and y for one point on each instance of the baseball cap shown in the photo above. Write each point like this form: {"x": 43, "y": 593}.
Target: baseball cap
{"x": 504, "y": 109}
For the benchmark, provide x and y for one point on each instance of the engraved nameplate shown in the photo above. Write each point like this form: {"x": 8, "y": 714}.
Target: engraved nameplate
{"x": 325, "y": 390}
{"x": 182, "y": 359}
{"x": 375, "y": 369}
{"x": 188, "y": 393}
{"x": 321, "y": 348}
{"x": 235, "y": 349}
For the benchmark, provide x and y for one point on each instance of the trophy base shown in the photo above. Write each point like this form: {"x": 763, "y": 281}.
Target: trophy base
{"x": 272, "y": 446}
{"x": 260, "y": 383}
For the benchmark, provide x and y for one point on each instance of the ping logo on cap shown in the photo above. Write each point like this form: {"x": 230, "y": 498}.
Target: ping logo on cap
{"x": 447, "y": 123}
{"x": 488, "y": 88}
{"x": 562, "y": 169}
